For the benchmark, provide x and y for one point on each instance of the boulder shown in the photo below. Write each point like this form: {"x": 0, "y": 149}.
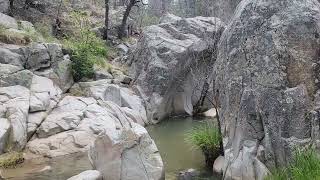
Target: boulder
{"x": 172, "y": 63}
{"x": 7, "y": 21}
{"x": 38, "y": 57}
{"x": 87, "y": 175}
{"x": 44, "y": 94}
{"x": 34, "y": 121}
{"x": 266, "y": 83}
{"x": 14, "y": 106}
{"x": 14, "y": 75}
{"x": 218, "y": 165}
{"x": 4, "y": 6}
{"x": 60, "y": 73}
{"x": 134, "y": 156}
{"x": 123, "y": 97}
{"x": 9, "y": 57}
{"x": 66, "y": 116}
{"x": 4, "y": 134}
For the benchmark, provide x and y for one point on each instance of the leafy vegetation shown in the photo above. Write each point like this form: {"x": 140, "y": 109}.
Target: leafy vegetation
{"x": 87, "y": 49}
{"x": 207, "y": 138}
{"x": 304, "y": 166}
{"x": 11, "y": 159}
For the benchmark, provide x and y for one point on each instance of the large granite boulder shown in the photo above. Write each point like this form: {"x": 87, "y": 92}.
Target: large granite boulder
{"x": 172, "y": 64}
{"x": 267, "y": 84}
{"x": 133, "y": 156}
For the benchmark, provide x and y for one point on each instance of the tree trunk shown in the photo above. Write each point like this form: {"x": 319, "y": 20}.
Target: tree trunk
{"x": 122, "y": 28}
{"x": 106, "y": 20}
{"x": 11, "y": 6}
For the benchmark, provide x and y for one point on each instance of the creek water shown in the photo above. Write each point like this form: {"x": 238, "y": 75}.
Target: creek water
{"x": 169, "y": 136}
{"x": 178, "y": 155}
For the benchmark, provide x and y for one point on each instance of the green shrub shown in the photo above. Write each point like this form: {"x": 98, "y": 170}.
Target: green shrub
{"x": 87, "y": 49}
{"x": 207, "y": 138}
{"x": 11, "y": 159}
{"x": 304, "y": 166}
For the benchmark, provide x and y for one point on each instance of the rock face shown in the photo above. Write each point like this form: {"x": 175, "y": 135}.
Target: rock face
{"x": 132, "y": 156}
{"x": 267, "y": 83}
{"x": 172, "y": 63}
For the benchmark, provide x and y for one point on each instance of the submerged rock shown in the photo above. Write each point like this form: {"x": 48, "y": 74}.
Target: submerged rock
{"x": 87, "y": 175}
{"x": 266, "y": 79}
{"x": 133, "y": 156}
{"x": 172, "y": 64}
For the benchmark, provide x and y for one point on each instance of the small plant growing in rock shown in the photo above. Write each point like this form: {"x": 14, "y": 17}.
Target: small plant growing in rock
{"x": 207, "y": 138}
{"x": 11, "y": 159}
{"x": 305, "y": 165}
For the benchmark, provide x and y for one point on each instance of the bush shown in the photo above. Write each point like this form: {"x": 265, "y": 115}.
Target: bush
{"x": 207, "y": 138}
{"x": 304, "y": 166}
{"x": 87, "y": 49}
{"x": 11, "y": 159}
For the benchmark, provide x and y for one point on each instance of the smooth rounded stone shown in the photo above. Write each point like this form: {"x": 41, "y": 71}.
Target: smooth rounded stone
{"x": 189, "y": 174}
{"x": 14, "y": 102}
{"x": 8, "y": 21}
{"x": 169, "y": 68}
{"x": 4, "y": 133}
{"x": 123, "y": 49}
{"x": 132, "y": 157}
{"x": 87, "y": 175}
{"x": 218, "y": 165}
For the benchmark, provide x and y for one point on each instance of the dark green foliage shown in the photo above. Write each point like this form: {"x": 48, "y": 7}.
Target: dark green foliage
{"x": 207, "y": 138}
{"x": 304, "y": 166}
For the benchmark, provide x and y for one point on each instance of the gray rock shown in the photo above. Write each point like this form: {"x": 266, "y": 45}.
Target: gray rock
{"x": 266, "y": 80}
{"x": 4, "y": 133}
{"x": 21, "y": 77}
{"x": 34, "y": 121}
{"x": 87, "y": 175}
{"x": 60, "y": 73}
{"x": 121, "y": 77}
{"x": 14, "y": 106}
{"x": 9, "y": 57}
{"x": 101, "y": 73}
{"x": 8, "y": 21}
{"x": 38, "y": 57}
{"x": 218, "y": 165}
{"x": 171, "y": 64}
{"x": 169, "y": 18}
{"x": 44, "y": 94}
{"x": 4, "y": 6}
{"x": 123, "y": 49}
{"x": 189, "y": 174}
{"x": 134, "y": 156}
{"x": 66, "y": 116}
